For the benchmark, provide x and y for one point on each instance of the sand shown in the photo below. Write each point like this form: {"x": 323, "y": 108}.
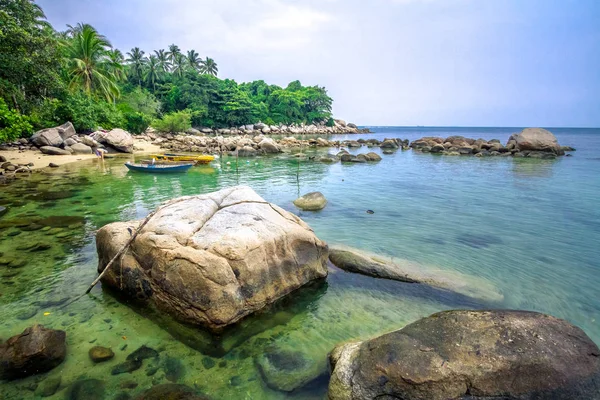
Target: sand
{"x": 41, "y": 160}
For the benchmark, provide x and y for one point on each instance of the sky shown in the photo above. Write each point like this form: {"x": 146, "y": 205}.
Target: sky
{"x": 384, "y": 62}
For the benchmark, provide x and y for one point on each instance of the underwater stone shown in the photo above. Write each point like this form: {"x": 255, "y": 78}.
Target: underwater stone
{"x": 87, "y": 389}
{"x": 27, "y": 313}
{"x": 127, "y": 366}
{"x": 208, "y": 362}
{"x": 313, "y": 201}
{"x": 235, "y": 381}
{"x": 48, "y": 387}
{"x": 143, "y": 353}
{"x": 287, "y": 370}
{"x": 128, "y": 385}
{"x": 99, "y": 354}
{"x": 61, "y": 221}
{"x": 52, "y": 302}
{"x": 3, "y": 210}
{"x": 478, "y": 241}
{"x": 173, "y": 368}
{"x": 171, "y": 391}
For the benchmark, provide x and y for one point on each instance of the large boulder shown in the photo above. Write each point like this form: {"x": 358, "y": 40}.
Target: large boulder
{"x": 66, "y": 130}
{"x": 47, "y": 137}
{"x": 288, "y": 370}
{"x": 498, "y": 354}
{"x": 313, "y": 201}
{"x": 536, "y": 139}
{"x": 212, "y": 259}
{"x": 54, "y": 151}
{"x": 34, "y": 351}
{"x": 268, "y": 145}
{"x": 80, "y": 148}
{"x": 117, "y": 138}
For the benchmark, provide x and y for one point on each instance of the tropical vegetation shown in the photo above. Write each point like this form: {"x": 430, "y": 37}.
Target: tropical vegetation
{"x": 50, "y": 76}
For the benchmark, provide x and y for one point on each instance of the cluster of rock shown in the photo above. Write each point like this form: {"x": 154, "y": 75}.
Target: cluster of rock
{"x": 64, "y": 140}
{"x": 339, "y": 127}
{"x": 531, "y": 142}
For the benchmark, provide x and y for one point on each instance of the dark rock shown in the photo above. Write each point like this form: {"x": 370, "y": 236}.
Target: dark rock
{"x": 54, "y": 151}
{"x": 174, "y": 369}
{"x": 3, "y": 210}
{"x": 87, "y": 389}
{"x": 347, "y": 157}
{"x": 143, "y": 353}
{"x": 463, "y": 355}
{"x": 27, "y": 313}
{"x": 2, "y": 159}
{"x": 478, "y": 241}
{"x": 171, "y": 391}
{"x": 208, "y": 362}
{"x": 373, "y": 156}
{"x": 61, "y": 221}
{"x": 100, "y": 354}
{"x": 48, "y": 387}
{"x": 128, "y": 385}
{"x": 235, "y": 381}
{"x": 287, "y": 370}
{"x": 52, "y": 301}
{"x": 52, "y": 165}
{"x": 34, "y": 351}
{"x": 567, "y": 148}
{"x": 127, "y": 366}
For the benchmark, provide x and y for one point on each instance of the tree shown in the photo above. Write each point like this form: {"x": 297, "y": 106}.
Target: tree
{"x": 179, "y": 65}
{"x": 193, "y": 60}
{"x": 115, "y": 64}
{"x": 88, "y": 63}
{"x": 163, "y": 60}
{"x": 152, "y": 71}
{"x": 209, "y": 66}
{"x": 29, "y": 55}
{"x": 173, "y": 52}
{"x": 136, "y": 62}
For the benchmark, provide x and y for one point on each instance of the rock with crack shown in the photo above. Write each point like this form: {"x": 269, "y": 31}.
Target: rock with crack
{"x": 460, "y": 354}
{"x": 213, "y": 259}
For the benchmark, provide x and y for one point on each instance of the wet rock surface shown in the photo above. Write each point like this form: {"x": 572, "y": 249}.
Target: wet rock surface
{"x": 286, "y": 370}
{"x": 313, "y": 201}
{"x": 99, "y": 354}
{"x": 471, "y": 355}
{"x": 171, "y": 391}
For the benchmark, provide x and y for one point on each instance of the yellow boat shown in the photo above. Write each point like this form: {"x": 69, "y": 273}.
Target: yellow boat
{"x": 204, "y": 159}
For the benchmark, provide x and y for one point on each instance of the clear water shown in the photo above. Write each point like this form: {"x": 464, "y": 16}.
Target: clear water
{"x": 530, "y": 227}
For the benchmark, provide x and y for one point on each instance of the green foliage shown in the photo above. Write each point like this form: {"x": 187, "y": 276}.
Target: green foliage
{"x": 45, "y": 114}
{"x": 12, "y": 124}
{"x": 137, "y": 122}
{"x": 88, "y": 114}
{"x": 179, "y": 121}
{"x": 330, "y": 123}
{"x": 139, "y": 107}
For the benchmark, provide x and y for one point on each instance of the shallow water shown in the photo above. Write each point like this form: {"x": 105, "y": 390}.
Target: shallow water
{"x": 530, "y": 227}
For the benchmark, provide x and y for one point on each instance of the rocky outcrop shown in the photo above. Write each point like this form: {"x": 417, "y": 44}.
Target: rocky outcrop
{"x": 380, "y": 266}
{"x": 212, "y": 259}
{"x": 118, "y": 139}
{"x": 313, "y": 201}
{"x": 287, "y": 370}
{"x": 80, "y": 148}
{"x": 47, "y": 137}
{"x": 54, "y": 151}
{"x": 471, "y": 354}
{"x": 268, "y": 145}
{"x": 536, "y": 139}
{"x": 34, "y": 351}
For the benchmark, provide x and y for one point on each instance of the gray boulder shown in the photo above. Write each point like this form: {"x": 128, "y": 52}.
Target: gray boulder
{"x": 313, "y": 201}
{"x": 246, "y": 151}
{"x": 373, "y": 156}
{"x": 118, "y": 139}
{"x": 536, "y": 139}
{"x": 288, "y": 370}
{"x": 66, "y": 130}
{"x": 268, "y": 145}
{"x": 54, "y": 151}
{"x": 47, "y": 137}
{"x": 213, "y": 259}
{"x": 80, "y": 148}
{"x": 463, "y": 355}
{"x": 34, "y": 351}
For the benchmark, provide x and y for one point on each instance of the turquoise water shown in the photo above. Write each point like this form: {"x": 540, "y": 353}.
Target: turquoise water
{"x": 530, "y": 227}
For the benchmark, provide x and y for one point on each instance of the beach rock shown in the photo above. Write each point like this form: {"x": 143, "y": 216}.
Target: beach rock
{"x": 54, "y": 151}
{"x": 437, "y": 148}
{"x": 117, "y": 138}
{"x": 329, "y": 159}
{"x": 35, "y": 350}
{"x": 373, "y": 157}
{"x": 389, "y": 144}
{"x": 100, "y": 354}
{"x": 53, "y": 165}
{"x": 471, "y": 354}
{"x": 47, "y": 137}
{"x": 89, "y": 141}
{"x": 212, "y": 259}
{"x": 48, "y": 387}
{"x": 286, "y": 370}
{"x": 80, "y": 148}
{"x": 70, "y": 142}
{"x": 313, "y": 201}
{"x": 536, "y": 139}
{"x": 86, "y": 389}
{"x": 171, "y": 391}
{"x": 347, "y": 157}
{"x": 246, "y": 151}
{"x": 2, "y": 159}
{"x": 268, "y": 145}
{"x": 66, "y": 130}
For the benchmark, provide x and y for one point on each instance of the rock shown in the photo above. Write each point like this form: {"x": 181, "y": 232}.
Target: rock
{"x": 361, "y": 158}
{"x": 128, "y": 366}
{"x": 347, "y": 157}
{"x": 174, "y": 369}
{"x": 3, "y": 210}
{"x": 373, "y": 156}
{"x": 567, "y": 148}
{"x": 471, "y": 354}
{"x": 70, "y": 142}
{"x": 171, "y": 391}
{"x": 268, "y": 145}
{"x": 47, "y": 137}
{"x": 89, "y": 141}
{"x": 380, "y": 266}
{"x": 53, "y": 165}
{"x": 143, "y": 353}
{"x": 100, "y": 354}
{"x": 117, "y": 138}
{"x": 287, "y": 370}
{"x": 28, "y": 313}
{"x": 246, "y": 151}
{"x": 329, "y": 159}
{"x": 212, "y": 259}
{"x": 322, "y": 142}
{"x": 536, "y": 139}
{"x": 351, "y": 125}
{"x": 80, "y": 148}
{"x": 87, "y": 389}
{"x": 48, "y": 387}
{"x": 541, "y": 155}
{"x": 54, "y": 151}
{"x": 2, "y": 159}
{"x": 313, "y": 201}
{"x": 389, "y": 144}
{"x": 35, "y": 350}
{"x": 66, "y": 130}
{"x": 437, "y": 148}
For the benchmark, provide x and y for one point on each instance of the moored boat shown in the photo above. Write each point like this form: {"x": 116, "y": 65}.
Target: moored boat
{"x": 203, "y": 159}
{"x": 158, "y": 168}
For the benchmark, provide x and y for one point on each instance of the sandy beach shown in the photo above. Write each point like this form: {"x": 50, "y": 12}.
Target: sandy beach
{"x": 41, "y": 160}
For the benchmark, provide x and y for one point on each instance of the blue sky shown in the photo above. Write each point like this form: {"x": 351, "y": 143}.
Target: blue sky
{"x": 385, "y": 62}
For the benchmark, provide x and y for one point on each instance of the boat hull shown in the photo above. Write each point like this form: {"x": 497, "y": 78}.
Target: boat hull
{"x": 158, "y": 169}
{"x": 204, "y": 159}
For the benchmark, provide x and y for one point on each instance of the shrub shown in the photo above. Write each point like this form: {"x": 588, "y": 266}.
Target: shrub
{"x": 137, "y": 122}
{"x": 88, "y": 113}
{"x": 179, "y": 121}
{"x": 330, "y": 122}
{"x": 12, "y": 124}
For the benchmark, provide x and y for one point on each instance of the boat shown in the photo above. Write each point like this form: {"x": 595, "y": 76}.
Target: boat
{"x": 203, "y": 159}
{"x": 158, "y": 168}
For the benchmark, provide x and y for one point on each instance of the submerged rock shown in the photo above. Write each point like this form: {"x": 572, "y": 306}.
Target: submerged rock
{"x": 48, "y": 387}
{"x": 288, "y": 370}
{"x": 87, "y": 389}
{"x": 143, "y": 353}
{"x": 171, "y": 391}
{"x": 212, "y": 259}
{"x": 313, "y": 201}
{"x": 36, "y": 350}
{"x": 100, "y": 354}
{"x": 3, "y": 210}
{"x": 174, "y": 369}
{"x": 379, "y": 266}
{"x": 127, "y": 366}
{"x": 471, "y": 354}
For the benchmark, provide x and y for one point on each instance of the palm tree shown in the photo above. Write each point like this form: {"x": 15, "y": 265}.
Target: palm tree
{"x": 209, "y": 66}
{"x": 136, "y": 60}
{"x": 173, "y": 52}
{"x": 115, "y": 65}
{"x": 86, "y": 55}
{"x": 193, "y": 60}
{"x": 152, "y": 71}
{"x": 163, "y": 60}
{"x": 179, "y": 65}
